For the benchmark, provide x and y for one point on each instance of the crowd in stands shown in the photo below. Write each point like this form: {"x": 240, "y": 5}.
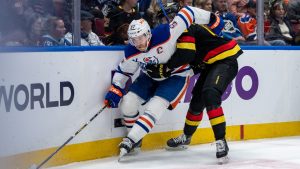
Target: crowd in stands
{"x": 105, "y": 22}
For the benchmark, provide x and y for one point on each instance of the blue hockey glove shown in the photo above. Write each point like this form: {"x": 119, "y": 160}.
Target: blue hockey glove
{"x": 217, "y": 24}
{"x": 113, "y": 96}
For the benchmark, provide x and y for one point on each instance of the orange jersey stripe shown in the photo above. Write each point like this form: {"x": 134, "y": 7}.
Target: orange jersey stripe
{"x": 174, "y": 103}
{"x": 146, "y": 121}
{"x": 187, "y": 15}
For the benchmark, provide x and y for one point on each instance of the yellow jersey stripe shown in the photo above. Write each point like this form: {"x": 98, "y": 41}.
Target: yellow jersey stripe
{"x": 190, "y": 46}
{"x": 224, "y": 54}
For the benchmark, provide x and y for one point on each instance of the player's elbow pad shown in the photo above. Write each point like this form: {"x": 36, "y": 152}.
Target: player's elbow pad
{"x": 216, "y": 24}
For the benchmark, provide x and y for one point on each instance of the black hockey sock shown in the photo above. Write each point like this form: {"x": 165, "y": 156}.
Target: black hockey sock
{"x": 192, "y": 122}
{"x": 217, "y": 121}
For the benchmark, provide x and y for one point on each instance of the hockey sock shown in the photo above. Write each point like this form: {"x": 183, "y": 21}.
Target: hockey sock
{"x": 217, "y": 121}
{"x": 153, "y": 111}
{"x": 192, "y": 121}
{"x": 130, "y": 120}
{"x": 142, "y": 127}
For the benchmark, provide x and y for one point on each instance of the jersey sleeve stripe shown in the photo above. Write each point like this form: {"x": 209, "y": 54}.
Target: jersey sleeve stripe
{"x": 217, "y": 23}
{"x": 192, "y": 12}
{"x": 189, "y": 39}
{"x": 190, "y": 46}
{"x": 185, "y": 21}
{"x": 187, "y": 15}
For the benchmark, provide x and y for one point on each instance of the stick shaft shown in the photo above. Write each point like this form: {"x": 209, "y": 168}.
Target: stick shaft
{"x": 76, "y": 133}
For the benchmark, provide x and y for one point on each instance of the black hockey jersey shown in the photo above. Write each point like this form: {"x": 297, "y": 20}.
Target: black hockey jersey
{"x": 204, "y": 47}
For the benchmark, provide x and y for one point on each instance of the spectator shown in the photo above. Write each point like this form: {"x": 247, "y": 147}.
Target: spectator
{"x": 237, "y": 7}
{"x": 35, "y": 31}
{"x": 55, "y": 35}
{"x": 204, "y": 4}
{"x": 231, "y": 29}
{"x": 13, "y": 23}
{"x": 183, "y": 3}
{"x": 88, "y": 37}
{"x": 151, "y": 14}
{"x": 248, "y": 25}
{"x": 280, "y": 25}
{"x": 122, "y": 16}
{"x": 293, "y": 14}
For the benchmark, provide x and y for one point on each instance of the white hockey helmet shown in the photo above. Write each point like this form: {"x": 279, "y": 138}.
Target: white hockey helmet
{"x": 137, "y": 29}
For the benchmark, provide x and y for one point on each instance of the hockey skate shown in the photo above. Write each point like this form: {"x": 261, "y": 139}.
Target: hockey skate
{"x": 136, "y": 148}
{"x": 125, "y": 147}
{"x": 179, "y": 143}
{"x": 222, "y": 151}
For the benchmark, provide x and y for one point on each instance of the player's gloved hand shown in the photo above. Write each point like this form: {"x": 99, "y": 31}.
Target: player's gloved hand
{"x": 114, "y": 96}
{"x": 158, "y": 71}
{"x": 198, "y": 68}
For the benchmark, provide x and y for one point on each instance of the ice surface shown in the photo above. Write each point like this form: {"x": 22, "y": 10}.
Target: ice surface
{"x": 277, "y": 153}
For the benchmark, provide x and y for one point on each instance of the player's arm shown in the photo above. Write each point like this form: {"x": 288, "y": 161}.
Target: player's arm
{"x": 122, "y": 74}
{"x": 185, "y": 52}
{"x": 217, "y": 24}
{"x": 188, "y": 15}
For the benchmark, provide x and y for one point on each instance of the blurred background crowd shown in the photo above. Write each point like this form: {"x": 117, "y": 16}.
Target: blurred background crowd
{"x": 105, "y": 22}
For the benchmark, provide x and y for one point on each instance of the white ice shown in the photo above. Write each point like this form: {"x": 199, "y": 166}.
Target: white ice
{"x": 278, "y": 153}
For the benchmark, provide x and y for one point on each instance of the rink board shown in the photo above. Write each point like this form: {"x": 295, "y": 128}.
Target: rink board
{"x": 45, "y": 96}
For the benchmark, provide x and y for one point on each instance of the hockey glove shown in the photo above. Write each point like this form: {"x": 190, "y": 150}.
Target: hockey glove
{"x": 158, "y": 71}
{"x": 113, "y": 96}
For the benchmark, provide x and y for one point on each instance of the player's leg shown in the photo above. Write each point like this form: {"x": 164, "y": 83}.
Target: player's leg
{"x": 193, "y": 117}
{"x": 168, "y": 91}
{"x": 219, "y": 77}
{"x": 141, "y": 90}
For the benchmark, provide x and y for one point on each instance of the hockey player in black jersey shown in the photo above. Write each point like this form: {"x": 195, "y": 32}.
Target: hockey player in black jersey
{"x": 216, "y": 59}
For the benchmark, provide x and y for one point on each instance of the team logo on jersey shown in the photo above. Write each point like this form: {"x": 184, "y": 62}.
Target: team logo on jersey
{"x": 173, "y": 24}
{"x": 150, "y": 60}
{"x": 159, "y": 50}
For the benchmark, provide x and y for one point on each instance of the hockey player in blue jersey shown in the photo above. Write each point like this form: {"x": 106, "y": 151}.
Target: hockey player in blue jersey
{"x": 149, "y": 48}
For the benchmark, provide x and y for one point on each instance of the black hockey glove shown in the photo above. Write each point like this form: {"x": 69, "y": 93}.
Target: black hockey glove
{"x": 198, "y": 68}
{"x": 158, "y": 71}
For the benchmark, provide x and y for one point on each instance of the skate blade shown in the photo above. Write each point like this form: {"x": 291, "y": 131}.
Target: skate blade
{"x": 178, "y": 148}
{"x": 223, "y": 160}
{"x": 123, "y": 152}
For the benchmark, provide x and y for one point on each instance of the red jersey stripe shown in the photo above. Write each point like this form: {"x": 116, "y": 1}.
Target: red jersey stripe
{"x": 220, "y": 49}
{"x": 189, "y": 39}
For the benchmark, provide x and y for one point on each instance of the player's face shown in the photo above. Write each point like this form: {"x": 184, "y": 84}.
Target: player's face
{"x": 140, "y": 42}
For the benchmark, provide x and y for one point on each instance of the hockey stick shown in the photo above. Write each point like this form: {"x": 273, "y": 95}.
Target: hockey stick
{"x": 163, "y": 9}
{"x": 77, "y": 132}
